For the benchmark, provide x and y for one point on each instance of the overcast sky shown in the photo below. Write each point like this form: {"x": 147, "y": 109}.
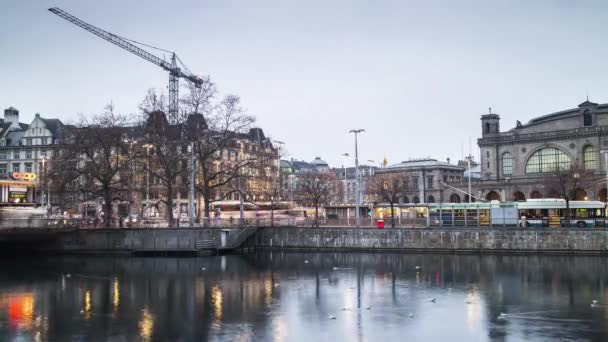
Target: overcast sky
{"x": 416, "y": 75}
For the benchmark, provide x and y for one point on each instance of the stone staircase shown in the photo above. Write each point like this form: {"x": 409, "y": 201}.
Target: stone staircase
{"x": 237, "y": 239}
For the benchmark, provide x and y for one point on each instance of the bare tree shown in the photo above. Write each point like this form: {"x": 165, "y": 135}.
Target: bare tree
{"x": 389, "y": 188}
{"x": 166, "y": 160}
{"x": 96, "y": 154}
{"x": 316, "y": 189}
{"x": 219, "y": 135}
{"x": 567, "y": 181}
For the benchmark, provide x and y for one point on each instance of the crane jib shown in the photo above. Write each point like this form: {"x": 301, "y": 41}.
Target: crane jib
{"x": 172, "y": 68}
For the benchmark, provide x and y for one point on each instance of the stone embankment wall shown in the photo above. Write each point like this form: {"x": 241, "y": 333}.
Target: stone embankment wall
{"x": 131, "y": 240}
{"x": 435, "y": 240}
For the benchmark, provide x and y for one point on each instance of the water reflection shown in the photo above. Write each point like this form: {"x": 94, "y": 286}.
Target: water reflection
{"x": 293, "y": 296}
{"x": 146, "y": 325}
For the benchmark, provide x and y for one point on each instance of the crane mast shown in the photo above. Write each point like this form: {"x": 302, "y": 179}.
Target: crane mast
{"x": 175, "y": 73}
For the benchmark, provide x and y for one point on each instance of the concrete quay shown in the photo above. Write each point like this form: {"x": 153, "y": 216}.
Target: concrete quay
{"x": 201, "y": 241}
{"x": 445, "y": 240}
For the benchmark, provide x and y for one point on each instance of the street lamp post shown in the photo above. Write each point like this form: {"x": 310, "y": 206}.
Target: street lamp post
{"x": 291, "y": 187}
{"x": 369, "y": 178}
{"x": 146, "y": 211}
{"x": 357, "y": 184}
{"x": 468, "y": 159}
{"x": 345, "y": 155}
{"x": 278, "y": 183}
{"x": 44, "y": 179}
{"x": 191, "y": 207}
{"x": 240, "y": 185}
{"x": 605, "y": 153}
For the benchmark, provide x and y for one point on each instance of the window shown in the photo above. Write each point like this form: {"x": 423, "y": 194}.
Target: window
{"x": 2, "y": 169}
{"x": 415, "y": 181}
{"x": 16, "y": 167}
{"x": 589, "y": 157}
{"x": 28, "y": 154}
{"x": 28, "y": 167}
{"x": 507, "y": 164}
{"x": 587, "y": 118}
{"x": 28, "y": 141}
{"x": 43, "y": 152}
{"x": 429, "y": 182}
{"x": 3, "y": 156}
{"x": 17, "y": 154}
{"x": 546, "y": 160}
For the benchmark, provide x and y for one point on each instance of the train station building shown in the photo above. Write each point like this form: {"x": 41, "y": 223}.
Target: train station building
{"x": 514, "y": 162}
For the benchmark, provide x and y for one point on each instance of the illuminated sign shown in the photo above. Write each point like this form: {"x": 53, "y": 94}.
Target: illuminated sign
{"x": 28, "y": 176}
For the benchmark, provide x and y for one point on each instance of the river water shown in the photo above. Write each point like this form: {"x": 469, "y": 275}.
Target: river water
{"x": 305, "y": 297}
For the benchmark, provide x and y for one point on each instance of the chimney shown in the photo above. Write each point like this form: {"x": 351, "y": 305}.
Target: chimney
{"x": 11, "y": 115}
{"x": 448, "y": 160}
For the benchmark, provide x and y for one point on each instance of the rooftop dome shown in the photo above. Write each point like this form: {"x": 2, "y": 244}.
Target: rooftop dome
{"x": 319, "y": 162}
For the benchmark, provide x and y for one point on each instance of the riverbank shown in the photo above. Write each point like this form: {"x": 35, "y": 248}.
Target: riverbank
{"x": 189, "y": 242}
{"x": 448, "y": 240}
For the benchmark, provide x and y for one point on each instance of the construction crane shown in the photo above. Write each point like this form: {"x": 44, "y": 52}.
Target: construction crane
{"x": 175, "y": 72}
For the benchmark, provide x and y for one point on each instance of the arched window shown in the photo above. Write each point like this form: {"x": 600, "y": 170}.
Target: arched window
{"x": 587, "y": 118}
{"x": 507, "y": 164}
{"x": 431, "y": 199}
{"x": 589, "y": 157}
{"x": 454, "y": 198}
{"x": 487, "y": 127}
{"x": 493, "y": 196}
{"x": 546, "y": 160}
{"x": 536, "y": 194}
{"x": 416, "y": 199}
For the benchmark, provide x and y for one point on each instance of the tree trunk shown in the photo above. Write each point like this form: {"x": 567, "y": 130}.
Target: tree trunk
{"x": 207, "y": 199}
{"x": 392, "y": 214}
{"x": 568, "y": 213}
{"x": 170, "y": 206}
{"x": 107, "y": 207}
{"x": 316, "y": 214}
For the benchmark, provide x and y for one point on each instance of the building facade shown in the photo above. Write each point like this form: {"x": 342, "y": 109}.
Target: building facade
{"x": 25, "y": 150}
{"x": 514, "y": 162}
{"x": 429, "y": 180}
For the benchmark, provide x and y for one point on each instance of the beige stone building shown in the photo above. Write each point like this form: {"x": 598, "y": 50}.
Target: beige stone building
{"x": 514, "y": 162}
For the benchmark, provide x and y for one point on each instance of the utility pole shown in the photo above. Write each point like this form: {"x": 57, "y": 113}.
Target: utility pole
{"x": 468, "y": 159}
{"x": 358, "y": 179}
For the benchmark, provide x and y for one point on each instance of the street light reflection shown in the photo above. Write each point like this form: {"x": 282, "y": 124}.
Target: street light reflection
{"x": 116, "y": 295}
{"x": 217, "y": 299}
{"x": 268, "y": 288}
{"x": 88, "y": 306}
{"x": 146, "y": 325}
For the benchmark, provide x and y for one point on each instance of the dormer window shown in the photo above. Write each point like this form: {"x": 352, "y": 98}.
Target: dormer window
{"x": 587, "y": 118}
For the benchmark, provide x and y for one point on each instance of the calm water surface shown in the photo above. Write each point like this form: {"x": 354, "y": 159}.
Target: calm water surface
{"x": 305, "y": 297}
